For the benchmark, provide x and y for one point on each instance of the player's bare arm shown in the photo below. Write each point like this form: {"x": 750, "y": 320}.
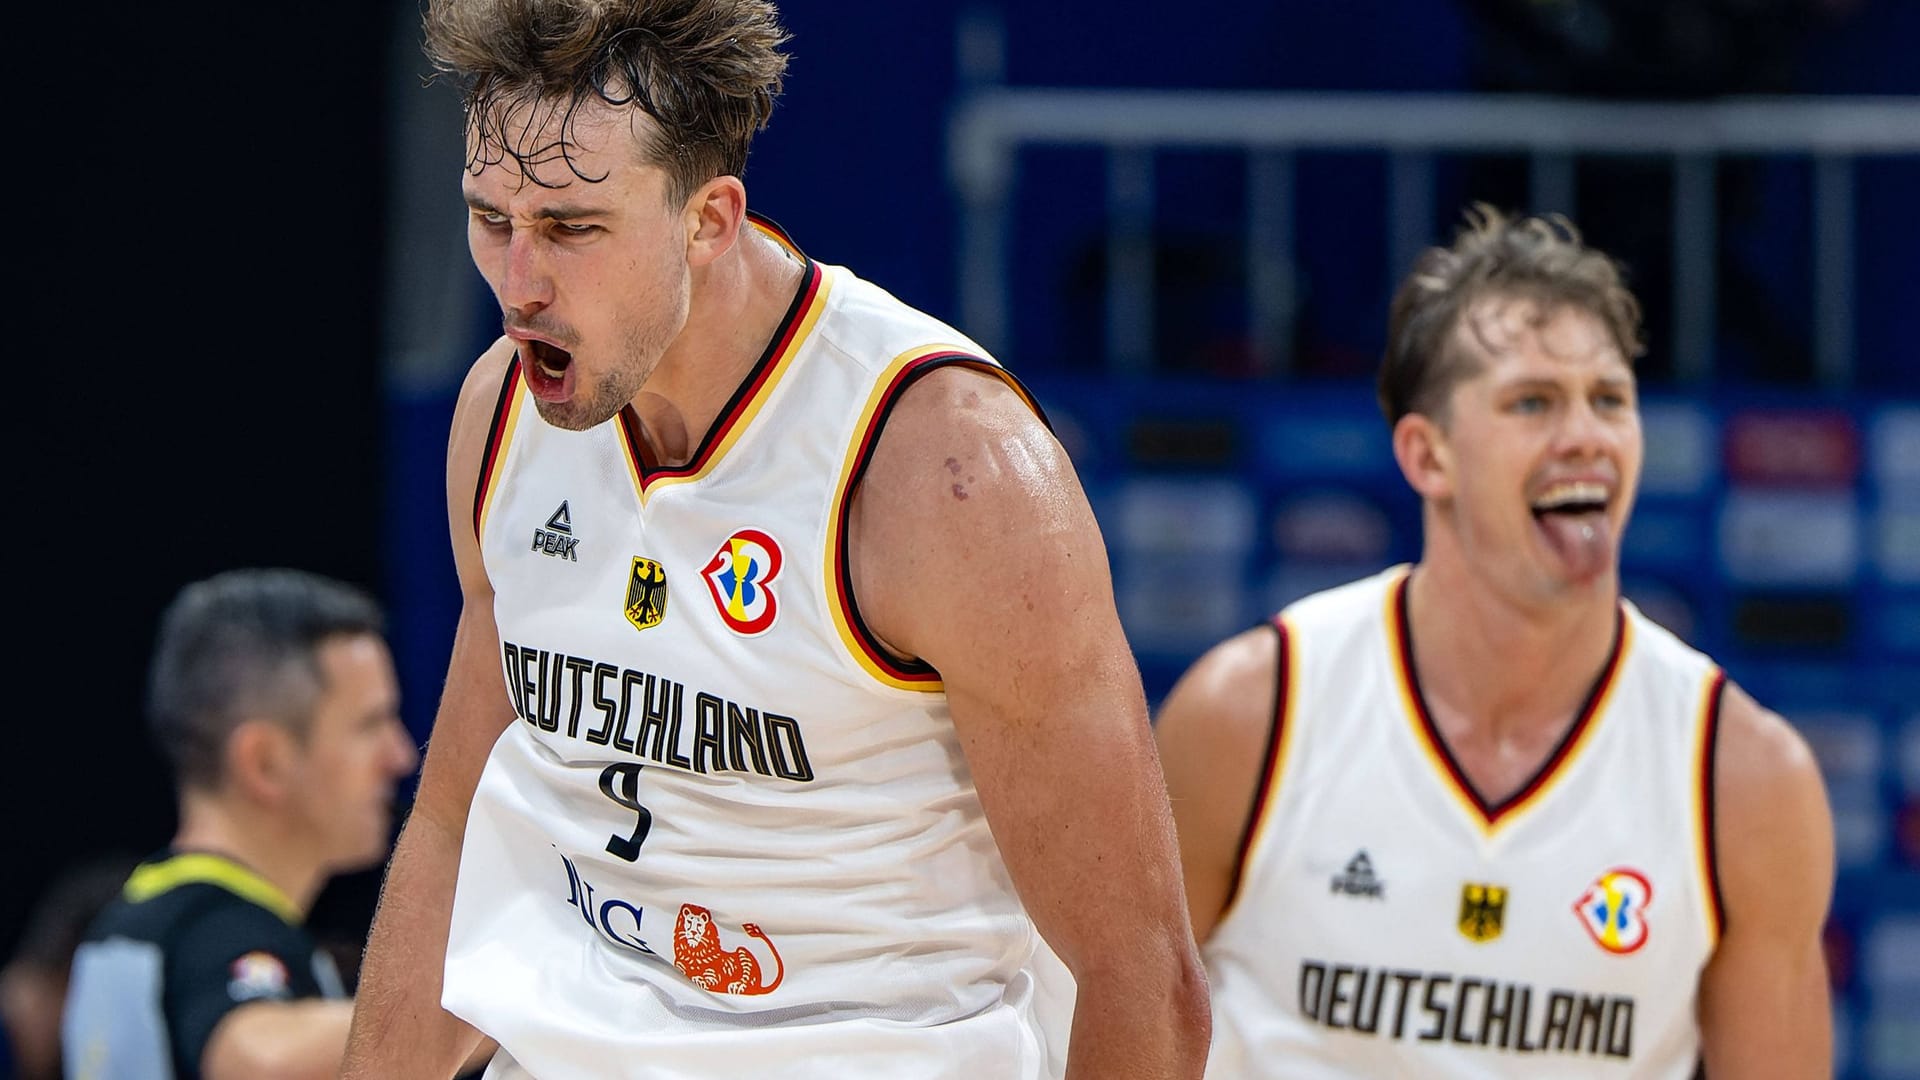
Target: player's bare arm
{"x": 974, "y": 549}
{"x": 1213, "y": 730}
{"x": 400, "y": 1031}
{"x": 1764, "y": 1008}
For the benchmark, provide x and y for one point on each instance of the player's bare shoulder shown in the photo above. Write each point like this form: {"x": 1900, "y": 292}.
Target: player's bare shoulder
{"x": 1765, "y": 775}
{"x": 1226, "y": 699}
{"x": 959, "y": 415}
{"x": 1212, "y": 732}
{"x": 1763, "y": 997}
{"x": 963, "y": 468}
{"x": 473, "y": 415}
{"x": 1761, "y": 759}
{"x": 971, "y": 540}
{"x": 1772, "y": 822}
{"x": 1214, "y": 725}
{"x": 479, "y": 399}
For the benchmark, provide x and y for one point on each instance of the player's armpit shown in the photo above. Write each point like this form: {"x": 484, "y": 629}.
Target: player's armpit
{"x": 974, "y": 549}
{"x": 278, "y": 1040}
{"x": 1764, "y": 1008}
{"x": 1213, "y": 730}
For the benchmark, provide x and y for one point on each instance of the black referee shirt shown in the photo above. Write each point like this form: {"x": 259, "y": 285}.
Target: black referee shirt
{"x": 192, "y": 937}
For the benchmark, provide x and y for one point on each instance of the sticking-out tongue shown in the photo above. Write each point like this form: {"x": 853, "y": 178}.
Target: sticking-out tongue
{"x": 1584, "y": 541}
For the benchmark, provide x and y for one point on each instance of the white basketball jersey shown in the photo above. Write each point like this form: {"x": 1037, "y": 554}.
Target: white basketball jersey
{"x": 728, "y": 835}
{"x": 1388, "y": 922}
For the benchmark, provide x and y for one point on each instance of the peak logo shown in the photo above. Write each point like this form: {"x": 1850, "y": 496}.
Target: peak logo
{"x": 1359, "y": 879}
{"x": 740, "y": 577}
{"x": 557, "y": 539}
{"x": 1614, "y": 910}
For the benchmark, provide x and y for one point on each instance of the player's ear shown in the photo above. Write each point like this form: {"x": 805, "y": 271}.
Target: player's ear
{"x": 1426, "y": 457}
{"x": 260, "y": 760}
{"x": 714, "y": 216}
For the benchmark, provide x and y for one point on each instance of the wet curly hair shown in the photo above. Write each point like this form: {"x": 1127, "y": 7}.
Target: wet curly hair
{"x": 705, "y": 71}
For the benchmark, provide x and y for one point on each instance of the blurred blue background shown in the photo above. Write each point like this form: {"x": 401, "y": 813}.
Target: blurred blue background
{"x": 1230, "y": 442}
{"x": 294, "y": 311}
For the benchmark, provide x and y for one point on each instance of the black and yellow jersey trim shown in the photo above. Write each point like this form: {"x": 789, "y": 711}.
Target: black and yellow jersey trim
{"x": 796, "y": 325}
{"x": 906, "y": 369}
{"x": 1274, "y": 760}
{"x": 506, "y": 416}
{"x": 1491, "y": 816}
{"x": 1707, "y": 726}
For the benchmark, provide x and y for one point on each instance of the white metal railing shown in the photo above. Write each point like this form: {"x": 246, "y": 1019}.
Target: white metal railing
{"x": 992, "y": 124}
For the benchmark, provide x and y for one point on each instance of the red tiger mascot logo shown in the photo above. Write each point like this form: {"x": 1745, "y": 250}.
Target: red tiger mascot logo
{"x": 697, "y": 953}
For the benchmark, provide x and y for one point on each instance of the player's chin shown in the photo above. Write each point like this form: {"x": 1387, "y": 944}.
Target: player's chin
{"x": 574, "y": 414}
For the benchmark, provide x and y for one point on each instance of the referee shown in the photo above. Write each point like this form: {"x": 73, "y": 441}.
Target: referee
{"x": 273, "y": 696}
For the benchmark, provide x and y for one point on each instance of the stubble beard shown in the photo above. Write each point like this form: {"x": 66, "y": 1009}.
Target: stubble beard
{"x": 594, "y": 405}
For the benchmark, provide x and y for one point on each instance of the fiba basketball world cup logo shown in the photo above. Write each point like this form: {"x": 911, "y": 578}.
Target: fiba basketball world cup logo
{"x": 1613, "y": 909}
{"x": 740, "y": 578}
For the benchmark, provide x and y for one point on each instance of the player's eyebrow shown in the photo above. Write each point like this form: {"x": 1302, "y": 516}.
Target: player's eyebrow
{"x": 556, "y": 212}
{"x": 1532, "y": 378}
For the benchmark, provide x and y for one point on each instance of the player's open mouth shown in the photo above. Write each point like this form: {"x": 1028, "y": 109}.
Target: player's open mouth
{"x": 552, "y": 360}
{"x": 546, "y": 367}
{"x": 1571, "y": 498}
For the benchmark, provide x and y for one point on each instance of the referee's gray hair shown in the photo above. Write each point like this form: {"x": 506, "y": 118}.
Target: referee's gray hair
{"x": 244, "y": 644}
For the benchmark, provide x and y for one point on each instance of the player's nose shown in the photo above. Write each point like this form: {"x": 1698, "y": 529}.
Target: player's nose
{"x": 525, "y": 286}
{"x": 1584, "y": 433}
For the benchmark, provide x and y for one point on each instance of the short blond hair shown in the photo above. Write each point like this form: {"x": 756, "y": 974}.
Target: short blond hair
{"x": 1537, "y": 259}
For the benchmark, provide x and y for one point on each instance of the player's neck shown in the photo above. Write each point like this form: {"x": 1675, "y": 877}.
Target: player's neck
{"x": 1502, "y": 664}
{"x": 736, "y": 307}
{"x": 255, "y": 840}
